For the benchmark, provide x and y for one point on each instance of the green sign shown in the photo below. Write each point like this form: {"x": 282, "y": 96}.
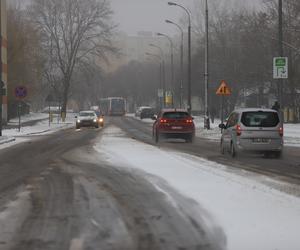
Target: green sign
{"x": 280, "y": 62}
{"x": 280, "y": 68}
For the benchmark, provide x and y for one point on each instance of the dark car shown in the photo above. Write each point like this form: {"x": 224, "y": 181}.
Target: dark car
{"x": 147, "y": 112}
{"x": 174, "y": 123}
{"x": 87, "y": 119}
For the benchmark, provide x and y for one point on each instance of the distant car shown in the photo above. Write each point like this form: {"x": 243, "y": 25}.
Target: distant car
{"x": 253, "y": 130}
{"x": 100, "y": 118}
{"x": 87, "y": 119}
{"x": 174, "y": 123}
{"x": 147, "y": 112}
{"x": 139, "y": 110}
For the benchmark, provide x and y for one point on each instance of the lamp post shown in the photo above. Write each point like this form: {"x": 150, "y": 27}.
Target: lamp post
{"x": 160, "y": 75}
{"x": 206, "y": 118}
{"x": 163, "y": 72}
{"x": 280, "y": 51}
{"x": 172, "y": 58}
{"x": 181, "y": 62}
{"x": 189, "y": 55}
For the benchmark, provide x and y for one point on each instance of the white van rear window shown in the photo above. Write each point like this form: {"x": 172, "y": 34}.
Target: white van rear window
{"x": 260, "y": 119}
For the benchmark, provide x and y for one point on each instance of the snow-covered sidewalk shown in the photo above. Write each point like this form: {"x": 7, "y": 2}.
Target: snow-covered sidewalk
{"x": 253, "y": 215}
{"x": 42, "y": 127}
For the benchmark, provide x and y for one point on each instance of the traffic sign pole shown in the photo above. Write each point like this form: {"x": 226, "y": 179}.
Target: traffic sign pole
{"x": 19, "y": 114}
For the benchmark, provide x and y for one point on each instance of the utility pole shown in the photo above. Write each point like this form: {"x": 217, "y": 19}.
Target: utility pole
{"x": 280, "y": 51}
{"x": 206, "y": 118}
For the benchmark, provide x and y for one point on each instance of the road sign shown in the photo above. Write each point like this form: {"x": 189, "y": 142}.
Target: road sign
{"x": 223, "y": 89}
{"x": 20, "y": 92}
{"x": 280, "y": 67}
{"x": 160, "y": 93}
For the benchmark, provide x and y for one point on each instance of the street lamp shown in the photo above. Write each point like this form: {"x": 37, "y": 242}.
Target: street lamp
{"x": 172, "y": 56}
{"x": 160, "y": 76}
{"x": 206, "y": 118}
{"x": 181, "y": 61}
{"x": 163, "y": 71}
{"x": 189, "y": 55}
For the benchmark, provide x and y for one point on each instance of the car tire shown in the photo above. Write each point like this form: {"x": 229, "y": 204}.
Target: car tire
{"x": 77, "y": 127}
{"x": 278, "y": 154}
{"x": 222, "y": 149}
{"x": 189, "y": 138}
{"x": 232, "y": 150}
{"x": 157, "y": 137}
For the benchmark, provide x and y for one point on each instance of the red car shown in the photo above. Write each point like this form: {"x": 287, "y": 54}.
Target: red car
{"x": 174, "y": 123}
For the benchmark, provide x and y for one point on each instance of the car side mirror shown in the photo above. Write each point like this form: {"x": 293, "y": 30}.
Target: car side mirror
{"x": 222, "y": 126}
{"x": 154, "y": 117}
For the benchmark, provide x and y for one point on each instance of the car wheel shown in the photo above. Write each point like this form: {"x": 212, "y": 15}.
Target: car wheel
{"x": 157, "y": 137}
{"x": 278, "y": 154}
{"x": 232, "y": 150}
{"x": 222, "y": 149}
{"x": 77, "y": 127}
{"x": 189, "y": 138}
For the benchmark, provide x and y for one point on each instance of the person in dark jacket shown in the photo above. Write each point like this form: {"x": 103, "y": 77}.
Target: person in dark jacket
{"x": 276, "y": 106}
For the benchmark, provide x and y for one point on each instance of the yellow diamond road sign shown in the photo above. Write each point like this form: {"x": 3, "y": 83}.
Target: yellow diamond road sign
{"x": 223, "y": 89}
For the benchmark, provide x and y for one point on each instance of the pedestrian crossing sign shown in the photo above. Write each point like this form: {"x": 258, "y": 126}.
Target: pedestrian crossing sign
{"x": 223, "y": 89}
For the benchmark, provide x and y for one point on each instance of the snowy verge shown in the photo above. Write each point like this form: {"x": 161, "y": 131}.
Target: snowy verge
{"x": 252, "y": 214}
{"x": 13, "y": 136}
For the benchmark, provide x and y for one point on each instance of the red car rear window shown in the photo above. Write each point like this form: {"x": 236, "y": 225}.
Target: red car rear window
{"x": 176, "y": 115}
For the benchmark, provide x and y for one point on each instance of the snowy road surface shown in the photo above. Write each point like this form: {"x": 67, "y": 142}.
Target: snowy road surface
{"x": 60, "y": 193}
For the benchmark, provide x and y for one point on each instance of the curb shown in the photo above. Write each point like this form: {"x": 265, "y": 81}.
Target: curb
{"x": 7, "y": 140}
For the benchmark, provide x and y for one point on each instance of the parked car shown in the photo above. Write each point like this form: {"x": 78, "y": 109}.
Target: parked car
{"x": 253, "y": 130}
{"x": 174, "y": 123}
{"x": 86, "y": 119}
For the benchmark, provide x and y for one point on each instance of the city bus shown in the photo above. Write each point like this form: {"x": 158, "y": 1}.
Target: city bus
{"x": 113, "y": 106}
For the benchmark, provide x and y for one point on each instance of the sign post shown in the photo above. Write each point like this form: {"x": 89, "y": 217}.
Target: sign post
{"x": 222, "y": 91}
{"x": 20, "y": 93}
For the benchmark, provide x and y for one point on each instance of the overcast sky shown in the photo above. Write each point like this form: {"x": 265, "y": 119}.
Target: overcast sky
{"x": 146, "y": 15}
{"x": 149, "y": 15}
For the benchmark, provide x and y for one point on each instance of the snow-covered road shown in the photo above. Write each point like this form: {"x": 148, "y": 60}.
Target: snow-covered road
{"x": 253, "y": 214}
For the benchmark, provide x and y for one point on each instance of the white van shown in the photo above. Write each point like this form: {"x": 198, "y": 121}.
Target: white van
{"x": 254, "y": 130}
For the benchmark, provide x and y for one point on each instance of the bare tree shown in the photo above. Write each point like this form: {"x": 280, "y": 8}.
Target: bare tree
{"x": 73, "y": 31}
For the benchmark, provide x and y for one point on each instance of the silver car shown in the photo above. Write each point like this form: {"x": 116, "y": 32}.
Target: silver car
{"x": 254, "y": 130}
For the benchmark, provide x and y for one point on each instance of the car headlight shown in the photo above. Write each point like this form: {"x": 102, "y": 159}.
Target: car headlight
{"x": 95, "y": 120}
{"x": 78, "y": 121}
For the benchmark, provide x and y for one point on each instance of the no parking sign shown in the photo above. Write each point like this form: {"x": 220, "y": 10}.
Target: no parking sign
{"x": 20, "y": 92}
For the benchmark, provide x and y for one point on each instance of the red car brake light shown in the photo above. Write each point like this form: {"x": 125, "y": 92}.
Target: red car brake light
{"x": 163, "y": 121}
{"x": 189, "y": 121}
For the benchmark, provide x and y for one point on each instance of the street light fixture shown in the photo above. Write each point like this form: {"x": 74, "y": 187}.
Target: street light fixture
{"x": 172, "y": 57}
{"x": 189, "y": 55}
{"x": 163, "y": 72}
{"x": 181, "y": 61}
